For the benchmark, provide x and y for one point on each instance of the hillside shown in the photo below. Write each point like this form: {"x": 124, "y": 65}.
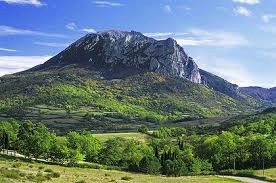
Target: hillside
{"x": 262, "y": 94}
{"x": 258, "y": 122}
{"x": 117, "y": 80}
{"x": 75, "y": 98}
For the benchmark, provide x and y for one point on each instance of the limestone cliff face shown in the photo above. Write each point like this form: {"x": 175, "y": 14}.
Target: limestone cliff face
{"x": 120, "y": 53}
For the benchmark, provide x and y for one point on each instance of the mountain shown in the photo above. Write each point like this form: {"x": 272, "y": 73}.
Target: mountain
{"x": 118, "y": 54}
{"x": 119, "y": 80}
{"x": 262, "y": 94}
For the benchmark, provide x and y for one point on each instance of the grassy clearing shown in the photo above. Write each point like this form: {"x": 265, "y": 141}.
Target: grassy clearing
{"x": 269, "y": 174}
{"x": 136, "y": 136}
{"x": 37, "y": 172}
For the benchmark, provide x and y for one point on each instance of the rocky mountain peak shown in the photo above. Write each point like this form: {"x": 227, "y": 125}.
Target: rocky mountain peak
{"x": 120, "y": 53}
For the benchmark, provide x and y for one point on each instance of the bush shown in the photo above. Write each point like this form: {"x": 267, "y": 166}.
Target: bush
{"x": 80, "y": 181}
{"x": 48, "y": 170}
{"x": 55, "y": 174}
{"x": 12, "y": 174}
{"x": 243, "y": 173}
{"x": 17, "y": 165}
{"x": 174, "y": 168}
{"x": 126, "y": 178}
{"x": 143, "y": 129}
{"x": 149, "y": 165}
{"x": 41, "y": 167}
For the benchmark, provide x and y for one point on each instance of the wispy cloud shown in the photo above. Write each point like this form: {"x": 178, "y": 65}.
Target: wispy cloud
{"x": 71, "y": 26}
{"x": 105, "y": 4}
{"x": 228, "y": 68}
{"x": 89, "y": 30}
{"x": 51, "y": 44}
{"x": 74, "y": 27}
{"x": 36, "y": 3}
{"x": 199, "y": 37}
{"x": 250, "y": 2}
{"x": 11, "y": 31}
{"x": 167, "y": 8}
{"x": 8, "y": 50}
{"x": 12, "y": 64}
{"x": 158, "y": 34}
{"x": 242, "y": 11}
{"x": 268, "y": 18}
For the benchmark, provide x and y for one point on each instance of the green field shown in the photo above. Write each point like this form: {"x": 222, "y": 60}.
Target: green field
{"x": 135, "y": 136}
{"x": 19, "y": 171}
{"x": 270, "y": 174}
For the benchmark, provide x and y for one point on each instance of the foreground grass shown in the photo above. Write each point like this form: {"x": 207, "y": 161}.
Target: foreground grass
{"x": 269, "y": 174}
{"x": 18, "y": 171}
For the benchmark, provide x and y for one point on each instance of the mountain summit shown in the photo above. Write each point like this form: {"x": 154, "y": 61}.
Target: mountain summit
{"x": 120, "y": 53}
{"x": 117, "y": 54}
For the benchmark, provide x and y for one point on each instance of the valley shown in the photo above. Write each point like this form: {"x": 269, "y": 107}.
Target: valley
{"x": 118, "y": 106}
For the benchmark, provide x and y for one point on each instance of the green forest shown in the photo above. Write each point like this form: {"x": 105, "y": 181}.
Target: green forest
{"x": 169, "y": 151}
{"x": 77, "y": 99}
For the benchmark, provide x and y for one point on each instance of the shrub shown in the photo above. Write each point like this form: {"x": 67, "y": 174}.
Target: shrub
{"x": 12, "y": 174}
{"x": 126, "y": 178}
{"x": 149, "y": 165}
{"x": 41, "y": 167}
{"x": 174, "y": 168}
{"x": 81, "y": 181}
{"x": 48, "y": 170}
{"x": 17, "y": 165}
{"x": 143, "y": 129}
{"x": 55, "y": 174}
{"x": 243, "y": 173}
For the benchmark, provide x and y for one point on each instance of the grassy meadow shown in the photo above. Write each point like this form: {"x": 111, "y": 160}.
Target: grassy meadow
{"x": 269, "y": 174}
{"x": 15, "y": 170}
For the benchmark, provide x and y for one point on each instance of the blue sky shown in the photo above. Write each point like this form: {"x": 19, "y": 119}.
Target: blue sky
{"x": 235, "y": 39}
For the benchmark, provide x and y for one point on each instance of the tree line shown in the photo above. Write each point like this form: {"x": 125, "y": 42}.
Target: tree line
{"x": 169, "y": 151}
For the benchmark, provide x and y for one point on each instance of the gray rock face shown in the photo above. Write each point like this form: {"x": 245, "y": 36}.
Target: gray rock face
{"x": 263, "y": 94}
{"x": 118, "y": 53}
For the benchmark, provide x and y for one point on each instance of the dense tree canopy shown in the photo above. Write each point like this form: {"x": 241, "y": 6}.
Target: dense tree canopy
{"x": 169, "y": 151}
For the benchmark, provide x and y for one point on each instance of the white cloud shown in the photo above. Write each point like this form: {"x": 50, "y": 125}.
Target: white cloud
{"x": 199, "y": 37}
{"x": 89, "y": 30}
{"x": 8, "y": 50}
{"x": 158, "y": 34}
{"x": 50, "y": 44}
{"x": 229, "y": 69}
{"x": 219, "y": 38}
{"x": 36, "y": 3}
{"x": 11, "y": 31}
{"x": 268, "y": 18}
{"x": 71, "y": 26}
{"x": 167, "y": 8}
{"x": 242, "y": 11}
{"x": 105, "y": 4}
{"x": 12, "y": 64}
{"x": 74, "y": 27}
{"x": 250, "y": 2}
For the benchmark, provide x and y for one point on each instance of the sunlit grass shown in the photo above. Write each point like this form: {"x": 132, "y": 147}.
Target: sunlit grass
{"x": 98, "y": 175}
